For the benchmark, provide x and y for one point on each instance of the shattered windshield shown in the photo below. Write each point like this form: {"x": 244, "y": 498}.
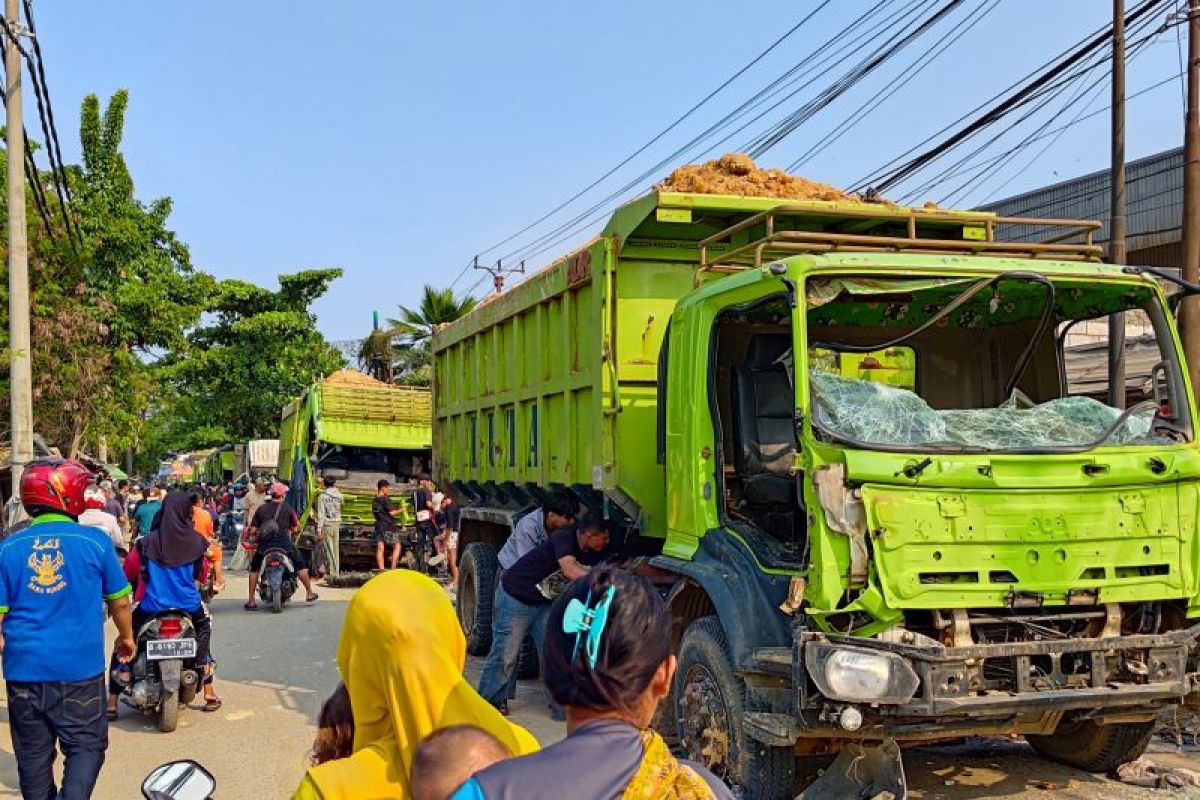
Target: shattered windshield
{"x": 1013, "y": 363}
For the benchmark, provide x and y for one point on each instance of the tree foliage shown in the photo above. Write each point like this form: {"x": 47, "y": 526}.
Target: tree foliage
{"x": 131, "y": 343}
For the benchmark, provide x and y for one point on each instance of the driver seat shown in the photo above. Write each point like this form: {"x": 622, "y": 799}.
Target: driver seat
{"x": 763, "y": 423}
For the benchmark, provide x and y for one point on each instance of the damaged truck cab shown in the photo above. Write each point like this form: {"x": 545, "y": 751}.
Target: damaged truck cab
{"x": 890, "y": 490}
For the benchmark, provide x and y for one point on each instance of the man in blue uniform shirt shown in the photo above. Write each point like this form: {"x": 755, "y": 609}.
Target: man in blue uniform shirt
{"x": 53, "y": 576}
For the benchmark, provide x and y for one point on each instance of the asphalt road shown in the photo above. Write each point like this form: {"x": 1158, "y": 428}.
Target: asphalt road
{"x": 275, "y": 670}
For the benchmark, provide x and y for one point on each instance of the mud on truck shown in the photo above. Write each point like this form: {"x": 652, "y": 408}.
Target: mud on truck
{"x": 848, "y": 435}
{"x": 358, "y": 431}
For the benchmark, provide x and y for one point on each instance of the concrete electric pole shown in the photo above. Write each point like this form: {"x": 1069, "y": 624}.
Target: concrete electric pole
{"x": 20, "y": 369}
{"x": 1116, "y": 226}
{"x": 1189, "y": 312}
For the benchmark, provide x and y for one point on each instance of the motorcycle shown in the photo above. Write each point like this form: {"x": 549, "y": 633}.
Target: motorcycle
{"x": 163, "y": 675}
{"x": 179, "y": 780}
{"x": 276, "y": 579}
{"x": 232, "y": 525}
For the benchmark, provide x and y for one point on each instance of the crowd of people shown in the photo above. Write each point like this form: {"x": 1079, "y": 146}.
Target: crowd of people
{"x": 404, "y": 722}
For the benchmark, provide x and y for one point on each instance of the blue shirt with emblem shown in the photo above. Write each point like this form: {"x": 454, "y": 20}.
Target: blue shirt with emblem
{"x": 53, "y": 576}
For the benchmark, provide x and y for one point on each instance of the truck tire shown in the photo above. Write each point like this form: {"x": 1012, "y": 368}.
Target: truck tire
{"x": 476, "y": 590}
{"x": 528, "y": 666}
{"x": 710, "y": 700}
{"x": 168, "y": 711}
{"x": 1094, "y": 748}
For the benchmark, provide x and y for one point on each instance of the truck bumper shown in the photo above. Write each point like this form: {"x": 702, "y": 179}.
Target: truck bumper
{"x": 1019, "y": 687}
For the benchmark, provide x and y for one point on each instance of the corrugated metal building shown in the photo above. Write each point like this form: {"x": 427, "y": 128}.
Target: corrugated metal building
{"x": 1153, "y": 198}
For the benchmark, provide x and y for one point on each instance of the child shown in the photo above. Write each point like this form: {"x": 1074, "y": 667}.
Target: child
{"x": 448, "y": 757}
{"x": 335, "y": 728}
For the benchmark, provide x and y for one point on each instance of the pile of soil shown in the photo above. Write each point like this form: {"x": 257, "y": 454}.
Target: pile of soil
{"x": 352, "y": 377}
{"x": 737, "y": 174}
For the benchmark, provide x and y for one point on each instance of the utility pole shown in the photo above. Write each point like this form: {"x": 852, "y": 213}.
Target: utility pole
{"x": 1189, "y": 312}
{"x": 20, "y": 369}
{"x": 1116, "y": 225}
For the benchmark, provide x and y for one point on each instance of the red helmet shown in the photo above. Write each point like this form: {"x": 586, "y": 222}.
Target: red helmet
{"x": 54, "y": 484}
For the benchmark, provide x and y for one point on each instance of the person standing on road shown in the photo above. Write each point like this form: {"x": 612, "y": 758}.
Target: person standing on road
{"x": 52, "y": 635}
{"x": 556, "y": 513}
{"x": 144, "y": 516}
{"x": 521, "y": 603}
{"x": 254, "y": 500}
{"x": 329, "y": 526}
{"x": 274, "y": 525}
{"x": 426, "y": 511}
{"x": 385, "y": 524}
{"x": 202, "y": 521}
{"x": 401, "y": 655}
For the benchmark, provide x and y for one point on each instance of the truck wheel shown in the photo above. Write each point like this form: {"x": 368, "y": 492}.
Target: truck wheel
{"x": 476, "y": 590}
{"x": 1094, "y": 748}
{"x": 528, "y": 667}
{"x": 168, "y": 711}
{"x": 709, "y": 703}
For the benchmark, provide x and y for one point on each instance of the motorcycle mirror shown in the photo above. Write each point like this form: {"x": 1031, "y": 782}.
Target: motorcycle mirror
{"x": 179, "y": 780}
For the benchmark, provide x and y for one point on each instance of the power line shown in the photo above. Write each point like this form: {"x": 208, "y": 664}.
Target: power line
{"x": 826, "y": 52}
{"x": 9, "y": 31}
{"x": 912, "y": 71}
{"x": 54, "y": 149}
{"x": 1039, "y": 86}
{"x": 658, "y": 136}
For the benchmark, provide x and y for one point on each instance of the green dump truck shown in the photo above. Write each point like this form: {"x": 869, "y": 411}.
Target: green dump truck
{"x": 846, "y": 434}
{"x": 358, "y": 431}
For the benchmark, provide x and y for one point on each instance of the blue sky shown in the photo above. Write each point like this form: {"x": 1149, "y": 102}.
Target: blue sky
{"x": 397, "y": 139}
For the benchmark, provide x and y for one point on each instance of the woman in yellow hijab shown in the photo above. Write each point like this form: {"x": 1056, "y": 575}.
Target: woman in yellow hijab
{"x": 401, "y": 656}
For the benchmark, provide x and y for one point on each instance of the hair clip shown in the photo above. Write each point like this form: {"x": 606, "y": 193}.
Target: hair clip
{"x": 581, "y": 618}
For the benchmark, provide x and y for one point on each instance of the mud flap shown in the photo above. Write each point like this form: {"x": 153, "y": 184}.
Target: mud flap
{"x": 170, "y": 670}
{"x": 863, "y": 773}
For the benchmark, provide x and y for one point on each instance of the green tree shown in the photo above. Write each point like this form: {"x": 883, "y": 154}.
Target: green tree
{"x": 412, "y": 331}
{"x": 260, "y": 349}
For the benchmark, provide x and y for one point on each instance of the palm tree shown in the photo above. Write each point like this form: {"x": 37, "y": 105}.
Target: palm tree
{"x": 438, "y": 306}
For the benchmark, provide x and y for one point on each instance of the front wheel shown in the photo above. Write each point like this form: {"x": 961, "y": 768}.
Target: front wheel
{"x": 1094, "y": 748}
{"x": 710, "y": 704}
{"x": 168, "y": 711}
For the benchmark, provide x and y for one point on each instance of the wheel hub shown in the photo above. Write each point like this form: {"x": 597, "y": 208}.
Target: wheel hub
{"x": 704, "y": 721}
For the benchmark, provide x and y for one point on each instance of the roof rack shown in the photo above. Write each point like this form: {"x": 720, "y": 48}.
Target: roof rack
{"x": 789, "y": 229}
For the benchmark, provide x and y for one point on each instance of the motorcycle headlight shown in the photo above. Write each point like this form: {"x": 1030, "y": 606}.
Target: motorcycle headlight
{"x": 859, "y": 675}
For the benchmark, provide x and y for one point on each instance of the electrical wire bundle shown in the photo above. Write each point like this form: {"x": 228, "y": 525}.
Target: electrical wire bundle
{"x": 761, "y": 122}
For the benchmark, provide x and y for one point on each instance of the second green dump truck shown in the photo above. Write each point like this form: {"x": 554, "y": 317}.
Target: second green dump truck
{"x": 846, "y": 436}
{"x": 358, "y": 431}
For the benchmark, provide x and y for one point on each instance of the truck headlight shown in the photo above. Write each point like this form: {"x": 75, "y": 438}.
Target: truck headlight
{"x": 860, "y": 675}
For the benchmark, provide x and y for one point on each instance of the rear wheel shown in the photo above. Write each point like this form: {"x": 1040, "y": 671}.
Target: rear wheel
{"x": 476, "y": 589}
{"x": 1094, "y": 748}
{"x": 710, "y": 702}
{"x": 168, "y": 711}
{"x": 276, "y": 599}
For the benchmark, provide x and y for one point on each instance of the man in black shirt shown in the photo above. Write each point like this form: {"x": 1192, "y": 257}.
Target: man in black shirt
{"x": 385, "y": 524}
{"x": 272, "y": 527}
{"x": 522, "y": 604}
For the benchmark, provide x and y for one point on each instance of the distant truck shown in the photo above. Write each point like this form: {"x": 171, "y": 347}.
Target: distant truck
{"x": 358, "y": 431}
{"x": 846, "y": 436}
{"x": 257, "y": 458}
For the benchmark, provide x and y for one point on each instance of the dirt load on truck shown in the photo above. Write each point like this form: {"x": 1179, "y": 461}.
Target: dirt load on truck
{"x": 357, "y": 430}
{"x": 847, "y": 435}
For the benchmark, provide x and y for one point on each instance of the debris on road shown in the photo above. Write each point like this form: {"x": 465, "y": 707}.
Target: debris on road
{"x": 1145, "y": 773}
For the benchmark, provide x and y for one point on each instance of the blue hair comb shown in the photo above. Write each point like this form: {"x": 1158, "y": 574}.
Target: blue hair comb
{"x": 584, "y": 618}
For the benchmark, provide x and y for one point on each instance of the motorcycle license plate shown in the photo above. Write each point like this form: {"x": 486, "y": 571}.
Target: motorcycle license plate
{"x": 158, "y": 649}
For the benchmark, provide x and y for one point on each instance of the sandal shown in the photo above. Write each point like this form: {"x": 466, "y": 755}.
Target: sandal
{"x": 212, "y": 704}
{"x": 251, "y": 606}
{"x": 312, "y": 598}
{"x": 112, "y": 714}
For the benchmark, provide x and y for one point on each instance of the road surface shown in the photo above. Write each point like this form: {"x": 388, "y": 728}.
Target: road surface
{"x": 275, "y": 670}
